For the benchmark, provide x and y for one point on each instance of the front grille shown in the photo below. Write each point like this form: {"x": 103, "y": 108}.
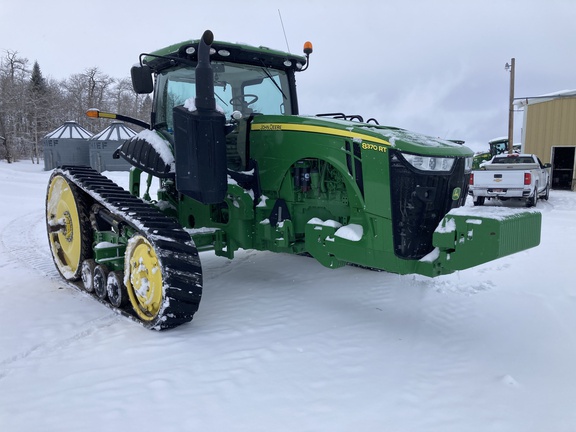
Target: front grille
{"x": 420, "y": 199}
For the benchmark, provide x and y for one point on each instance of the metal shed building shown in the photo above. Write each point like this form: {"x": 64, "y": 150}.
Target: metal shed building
{"x": 104, "y": 144}
{"x": 549, "y": 131}
{"x": 66, "y": 145}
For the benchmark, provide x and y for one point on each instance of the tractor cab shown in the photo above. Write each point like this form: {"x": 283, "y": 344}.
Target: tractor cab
{"x": 242, "y": 82}
{"x": 206, "y": 94}
{"x": 239, "y": 91}
{"x": 247, "y": 80}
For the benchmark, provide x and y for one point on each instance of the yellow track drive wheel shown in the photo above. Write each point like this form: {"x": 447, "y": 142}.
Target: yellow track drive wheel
{"x": 145, "y": 279}
{"x": 68, "y": 226}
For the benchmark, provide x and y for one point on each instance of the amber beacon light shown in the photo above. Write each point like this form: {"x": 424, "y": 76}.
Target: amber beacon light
{"x": 307, "y": 51}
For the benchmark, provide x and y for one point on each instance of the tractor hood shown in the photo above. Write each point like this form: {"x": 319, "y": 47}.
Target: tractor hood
{"x": 369, "y": 133}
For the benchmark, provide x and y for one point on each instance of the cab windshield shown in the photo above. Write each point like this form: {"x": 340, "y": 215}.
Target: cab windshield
{"x": 243, "y": 88}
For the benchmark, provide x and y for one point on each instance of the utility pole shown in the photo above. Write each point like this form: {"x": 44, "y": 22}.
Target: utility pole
{"x": 511, "y": 67}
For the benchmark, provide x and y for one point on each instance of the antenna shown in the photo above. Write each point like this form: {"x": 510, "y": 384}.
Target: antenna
{"x": 283, "y": 30}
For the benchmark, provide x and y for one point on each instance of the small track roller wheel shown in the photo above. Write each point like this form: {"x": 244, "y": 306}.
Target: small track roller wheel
{"x": 100, "y": 281}
{"x": 117, "y": 293}
{"x": 88, "y": 267}
{"x": 68, "y": 226}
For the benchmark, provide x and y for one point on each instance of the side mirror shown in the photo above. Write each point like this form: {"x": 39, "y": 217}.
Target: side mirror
{"x": 142, "y": 79}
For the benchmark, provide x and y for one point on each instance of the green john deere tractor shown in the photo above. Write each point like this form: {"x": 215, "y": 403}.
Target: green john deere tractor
{"x": 238, "y": 167}
{"x": 497, "y": 146}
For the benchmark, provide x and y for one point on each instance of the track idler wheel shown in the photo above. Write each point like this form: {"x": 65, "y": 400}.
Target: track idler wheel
{"x": 100, "y": 281}
{"x": 88, "y": 267}
{"x": 117, "y": 293}
{"x": 68, "y": 226}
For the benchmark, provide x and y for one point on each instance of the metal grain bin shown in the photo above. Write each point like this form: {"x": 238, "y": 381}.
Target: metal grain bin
{"x": 104, "y": 144}
{"x": 67, "y": 145}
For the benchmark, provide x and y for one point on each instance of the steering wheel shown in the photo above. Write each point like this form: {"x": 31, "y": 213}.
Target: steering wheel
{"x": 242, "y": 99}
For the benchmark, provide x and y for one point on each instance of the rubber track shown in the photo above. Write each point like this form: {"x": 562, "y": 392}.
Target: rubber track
{"x": 178, "y": 256}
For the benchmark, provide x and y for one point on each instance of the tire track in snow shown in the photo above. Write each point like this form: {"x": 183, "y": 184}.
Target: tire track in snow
{"x": 442, "y": 362}
{"x": 20, "y": 239}
{"x": 214, "y": 268}
{"x": 42, "y": 349}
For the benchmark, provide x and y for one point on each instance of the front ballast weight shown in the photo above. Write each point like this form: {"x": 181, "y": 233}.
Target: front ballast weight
{"x": 121, "y": 250}
{"x": 463, "y": 239}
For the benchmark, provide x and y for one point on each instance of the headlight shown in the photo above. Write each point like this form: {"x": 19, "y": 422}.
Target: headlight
{"x": 429, "y": 163}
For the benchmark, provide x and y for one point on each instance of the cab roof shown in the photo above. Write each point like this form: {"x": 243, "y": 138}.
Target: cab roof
{"x": 187, "y": 52}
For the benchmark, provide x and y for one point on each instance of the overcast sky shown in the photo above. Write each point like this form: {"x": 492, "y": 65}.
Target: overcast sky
{"x": 435, "y": 66}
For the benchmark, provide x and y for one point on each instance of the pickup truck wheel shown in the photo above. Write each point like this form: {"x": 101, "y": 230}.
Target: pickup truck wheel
{"x": 478, "y": 201}
{"x": 547, "y": 194}
{"x": 533, "y": 200}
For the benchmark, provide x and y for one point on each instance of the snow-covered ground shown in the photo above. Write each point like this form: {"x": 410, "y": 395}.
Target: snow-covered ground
{"x": 281, "y": 343}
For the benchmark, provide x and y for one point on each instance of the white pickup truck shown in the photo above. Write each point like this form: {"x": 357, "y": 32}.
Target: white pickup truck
{"x": 506, "y": 176}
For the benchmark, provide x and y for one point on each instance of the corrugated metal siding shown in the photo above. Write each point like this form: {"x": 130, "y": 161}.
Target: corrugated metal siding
{"x": 548, "y": 124}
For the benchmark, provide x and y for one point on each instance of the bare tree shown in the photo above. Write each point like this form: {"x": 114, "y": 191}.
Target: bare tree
{"x": 89, "y": 89}
{"x": 15, "y": 66}
{"x": 14, "y": 125}
{"x": 31, "y": 105}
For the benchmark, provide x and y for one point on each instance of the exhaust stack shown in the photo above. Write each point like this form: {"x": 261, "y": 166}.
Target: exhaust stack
{"x": 200, "y": 137}
{"x": 204, "y": 75}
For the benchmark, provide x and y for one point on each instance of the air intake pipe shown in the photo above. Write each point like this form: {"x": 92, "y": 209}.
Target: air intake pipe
{"x": 200, "y": 137}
